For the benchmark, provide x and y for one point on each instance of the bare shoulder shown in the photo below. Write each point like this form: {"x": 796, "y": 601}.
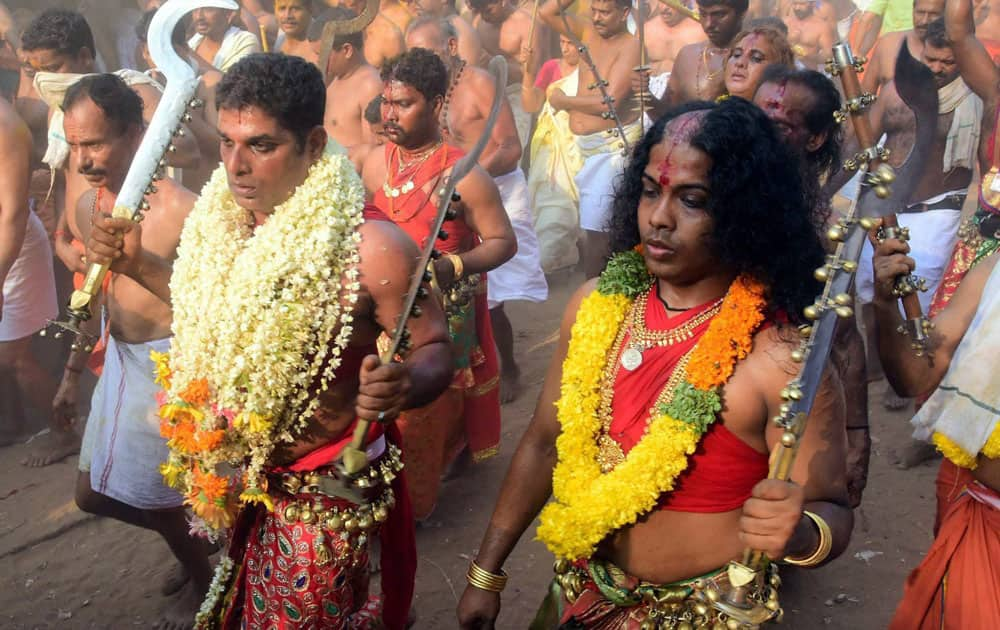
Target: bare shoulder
{"x": 373, "y": 168}
{"x": 175, "y": 195}
{"x": 688, "y": 53}
{"x": 386, "y": 252}
{"x": 370, "y": 77}
{"x": 770, "y": 359}
{"x": 13, "y": 129}
{"x": 149, "y": 95}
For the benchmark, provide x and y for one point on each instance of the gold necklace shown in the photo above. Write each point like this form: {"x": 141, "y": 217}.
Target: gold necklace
{"x": 393, "y": 192}
{"x": 642, "y": 339}
{"x": 709, "y": 76}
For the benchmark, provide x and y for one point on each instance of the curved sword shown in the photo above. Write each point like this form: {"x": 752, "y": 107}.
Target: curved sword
{"x": 353, "y": 458}
{"x": 148, "y": 163}
{"x": 333, "y": 28}
{"x": 599, "y": 82}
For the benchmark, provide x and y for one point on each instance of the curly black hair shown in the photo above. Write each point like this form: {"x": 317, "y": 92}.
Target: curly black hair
{"x": 289, "y": 88}
{"x": 822, "y": 162}
{"x": 119, "y": 103}
{"x": 419, "y": 68}
{"x": 762, "y": 224}
{"x": 936, "y": 35}
{"x": 65, "y": 32}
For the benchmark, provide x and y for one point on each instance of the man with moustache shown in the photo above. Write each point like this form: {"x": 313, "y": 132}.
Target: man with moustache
{"x": 58, "y": 46}
{"x": 122, "y": 448}
{"x": 405, "y": 178}
{"x": 698, "y": 72}
{"x": 294, "y": 18}
{"x": 882, "y": 63}
{"x": 467, "y": 104}
{"x": 217, "y": 41}
{"x": 614, "y": 53}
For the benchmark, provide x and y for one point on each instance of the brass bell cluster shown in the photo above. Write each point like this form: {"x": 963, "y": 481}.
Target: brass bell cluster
{"x": 460, "y": 295}
{"x": 834, "y": 69}
{"x": 862, "y": 158}
{"x": 919, "y": 332}
{"x": 854, "y": 106}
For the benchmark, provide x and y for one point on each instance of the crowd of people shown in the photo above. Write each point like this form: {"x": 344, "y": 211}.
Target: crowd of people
{"x": 684, "y": 158}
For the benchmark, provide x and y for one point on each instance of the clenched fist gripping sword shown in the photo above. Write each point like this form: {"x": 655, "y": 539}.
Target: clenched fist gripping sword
{"x": 751, "y": 598}
{"x": 149, "y": 162}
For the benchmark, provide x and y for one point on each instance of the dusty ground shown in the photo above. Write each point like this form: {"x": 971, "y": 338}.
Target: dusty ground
{"x": 62, "y": 569}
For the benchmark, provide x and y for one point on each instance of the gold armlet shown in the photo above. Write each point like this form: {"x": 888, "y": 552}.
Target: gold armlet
{"x": 484, "y": 580}
{"x": 457, "y": 265}
{"x": 825, "y": 544}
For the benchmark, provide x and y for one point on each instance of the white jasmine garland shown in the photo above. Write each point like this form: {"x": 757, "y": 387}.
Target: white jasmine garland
{"x": 261, "y": 319}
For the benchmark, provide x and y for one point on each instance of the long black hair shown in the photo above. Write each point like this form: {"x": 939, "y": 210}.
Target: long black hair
{"x": 763, "y": 225}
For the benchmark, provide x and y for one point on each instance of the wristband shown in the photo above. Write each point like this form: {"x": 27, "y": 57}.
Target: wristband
{"x": 825, "y": 544}
{"x": 484, "y": 580}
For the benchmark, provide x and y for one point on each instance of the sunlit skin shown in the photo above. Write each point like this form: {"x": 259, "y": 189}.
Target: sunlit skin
{"x": 264, "y": 162}
{"x": 101, "y": 157}
{"x": 212, "y": 23}
{"x": 882, "y": 61}
{"x": 407, "y": 118}
{"x": 747, "y": 62}
{"x": 49, "y": 60}
{"x": 608, "y": 18}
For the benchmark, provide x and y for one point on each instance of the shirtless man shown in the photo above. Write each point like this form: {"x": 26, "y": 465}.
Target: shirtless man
{"x": 384, "y": 36}
{"x": 353, "y": 82}
{"x": 119, "y": 463}
{"x": 217, "y": 41}
{"x": 615, "y": 53}
{"x": 463, "y": 116}
{"x": 699, "y": 68}
{"x": 469, "y": 48}
{"x": 811, "y": 35}
{"x": 666, "y": 33}
{"x": 60, "y": 42}
{"x": 27, "y": 285}
{"x": 260, "y": 16}
{"x": 934, "y": 211}
{"x": 503, "y": 29}
{"x": 294, "y": 18}
{"x": 882, "y": 64}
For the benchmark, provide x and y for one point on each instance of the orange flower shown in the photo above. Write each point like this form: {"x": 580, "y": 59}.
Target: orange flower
{"x": 208, "y": 440}
{"x": 729, "y": 337}
{"x": 196, "y": 393}
{"x": 210, "y": 499}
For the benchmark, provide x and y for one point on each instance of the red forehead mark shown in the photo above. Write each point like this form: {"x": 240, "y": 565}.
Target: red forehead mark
{"x": 776, "y": 103}
{"x": 680, "y": 130}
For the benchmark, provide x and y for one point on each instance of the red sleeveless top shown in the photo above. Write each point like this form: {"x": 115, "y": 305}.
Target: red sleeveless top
{"x": 724, "y": 469}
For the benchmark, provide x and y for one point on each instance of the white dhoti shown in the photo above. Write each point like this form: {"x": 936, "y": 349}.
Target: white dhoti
{"x": 932, "y": 238}
{"x": 522, "y": 119}
{"x": 521, "y": 277}
{"x": 122, "y": 447}
{"x": 603, "y": 164}
{"x": 29, "y": 292}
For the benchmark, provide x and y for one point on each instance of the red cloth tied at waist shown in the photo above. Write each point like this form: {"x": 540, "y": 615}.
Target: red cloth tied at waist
{"x": 724, "y": 469}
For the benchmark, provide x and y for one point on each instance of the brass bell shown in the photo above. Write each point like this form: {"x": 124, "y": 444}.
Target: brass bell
{"x": 835, "y": 234}
{"x": 788, "y": 439}
{"x": 886, "y": 173}
{"x": 648, "y": 624}
{"x": 822, "y": 274}
{"x": 366, "y": 522}
{"x": 732, "y": 624}
{"x": 772, "y": 605}
{"x": 844, "y": 312}
{"x": 712, "y": 595}
{"x": 798, "y": 356}
{"x": 785, "y": 409}
{"x": 334, "y": 522}
{"x": 684, "y": 625}
{"x": 381, "y": 514}
{"x": 351, "y": 525}
{"x": 811, "y": 312}
{"x": 291, "y": 513}
{"x": 561, "y": 566}
{"x": 785, "y": 395}
{"x": 700, "y": 609}
{"x": 307, "y": 516}
{"x": 866, "y": 223}
{"x": 776, "y": 581}
{"x": 842, "y": 299}
{"x": 795, "y": 393}
{"x": 882, "y": 191}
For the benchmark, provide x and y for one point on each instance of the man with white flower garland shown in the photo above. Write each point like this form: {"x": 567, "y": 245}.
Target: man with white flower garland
{"x": 282, "y": 284}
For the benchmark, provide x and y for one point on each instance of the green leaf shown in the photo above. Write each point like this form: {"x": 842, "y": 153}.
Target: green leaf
{"x": 626, "y": 273}
{"x": 695, "y": 407}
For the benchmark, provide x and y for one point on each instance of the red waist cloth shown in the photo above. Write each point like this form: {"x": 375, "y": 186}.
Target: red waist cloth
{"x": 724, "y": 469}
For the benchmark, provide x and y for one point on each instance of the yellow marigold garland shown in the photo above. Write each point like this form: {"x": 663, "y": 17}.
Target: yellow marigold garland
{"x": 590, "y": 504}
{"x": 962, "y": 458}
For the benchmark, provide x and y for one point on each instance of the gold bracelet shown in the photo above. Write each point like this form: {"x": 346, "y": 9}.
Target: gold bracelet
{"x": 825, "y": 544}
{"x": 484, "y": 580}
{"x": 457, "y": 265}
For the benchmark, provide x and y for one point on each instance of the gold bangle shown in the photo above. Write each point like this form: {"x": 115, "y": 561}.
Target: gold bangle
{"x": 484, "y": 580}
{"x": 457, "y": 265}
{"x": 825, "y": 544}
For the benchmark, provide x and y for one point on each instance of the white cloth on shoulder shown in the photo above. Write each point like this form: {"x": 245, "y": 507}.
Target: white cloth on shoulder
{"x": 122, "y": 447}
{"x": 962, "y": 140}
{"x": 603, "y": 164}
{"x": 521, "y": 277}
{"x": 52, "y": 88}
{"x": 932, "y": 238}
{"x": 236, "y": 44}
{"x": 965, "y": 407}
{"x": 29, "y": 291}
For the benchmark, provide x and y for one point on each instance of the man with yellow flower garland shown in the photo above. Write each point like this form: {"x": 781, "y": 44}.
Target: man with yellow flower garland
{"x": 957, "y": 583}
{"x": 283, "y": 281}
{"x": 652, "y": 429}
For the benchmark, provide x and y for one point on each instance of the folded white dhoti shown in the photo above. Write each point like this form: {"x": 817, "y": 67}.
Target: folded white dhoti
{"x": 932, "y": 238}
{"x": 521, "y": 277}
{"x": 122, "y": 447}
{"x": 29, "y": 292}
{"x": 522, "y": 119}
{"x": 603, "y": 164}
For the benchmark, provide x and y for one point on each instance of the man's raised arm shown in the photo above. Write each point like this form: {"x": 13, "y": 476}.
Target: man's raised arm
{"x": 549, "y": 13}
{"x": 974, "y": 63}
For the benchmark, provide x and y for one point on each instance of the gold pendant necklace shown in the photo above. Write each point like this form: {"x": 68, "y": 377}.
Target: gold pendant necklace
{"x": 642, "y": 339}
